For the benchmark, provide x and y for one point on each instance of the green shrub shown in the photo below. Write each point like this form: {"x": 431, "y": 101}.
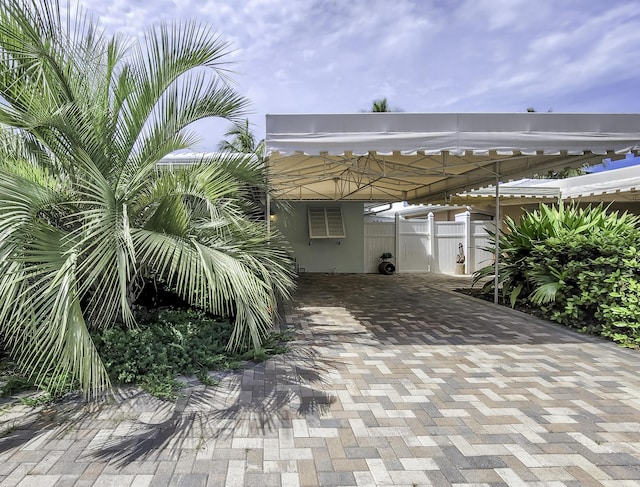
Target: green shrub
{"x": 50, "y": 386}
{"x": 579, "y": 266}
{"x": 171, "y": 342}
{"x": 15, "y": 384}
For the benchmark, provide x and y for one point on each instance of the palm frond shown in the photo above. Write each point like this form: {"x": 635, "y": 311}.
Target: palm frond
{"x": 545, "y": 293}
{"x": 84, "y": 211}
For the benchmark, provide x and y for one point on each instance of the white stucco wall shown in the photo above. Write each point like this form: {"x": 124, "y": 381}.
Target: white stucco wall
{"x": 324, "y": 255}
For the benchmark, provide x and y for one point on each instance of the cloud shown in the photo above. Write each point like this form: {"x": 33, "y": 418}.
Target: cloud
{"x": 502, "y": 15}
{"x": 423, "y": 55}
{"x": 560, "y": 61}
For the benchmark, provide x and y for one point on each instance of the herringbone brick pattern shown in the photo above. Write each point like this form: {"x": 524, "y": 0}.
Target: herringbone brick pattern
{"x": 392, "y": 380}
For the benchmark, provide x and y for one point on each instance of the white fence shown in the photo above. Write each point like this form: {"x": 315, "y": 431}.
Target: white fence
{"x": 378, "y": 239}
{"x": 427, "y": 245}
{"x": 480, "y": 240}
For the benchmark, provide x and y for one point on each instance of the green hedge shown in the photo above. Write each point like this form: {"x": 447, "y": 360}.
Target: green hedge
{"x": 578, "y": 266}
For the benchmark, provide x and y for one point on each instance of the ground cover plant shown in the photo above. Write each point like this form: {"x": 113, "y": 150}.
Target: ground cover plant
{"x": 171, "y": 342}
{"x": 165, "y": 344}
{"x": 88, "y": 223}
{"x": 576, "y": 266}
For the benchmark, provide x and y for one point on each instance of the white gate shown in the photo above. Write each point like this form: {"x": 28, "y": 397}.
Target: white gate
{"x": 378, "y": 239}
{"x": 448, "y": 236}
{"x": 414, "y": 248}
{"x": 427, "y": 245}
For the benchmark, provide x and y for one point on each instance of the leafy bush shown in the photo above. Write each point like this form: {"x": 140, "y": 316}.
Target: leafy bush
{"x": 579, "y": 266}
{"x": 174, "y": 342}
{"x": 50, "y": 386}
{"x": 15, "y": 384}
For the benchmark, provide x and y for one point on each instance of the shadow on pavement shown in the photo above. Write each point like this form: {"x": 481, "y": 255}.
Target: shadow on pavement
{"x": 412, "y": 309}
{"x": 259, "y": 399}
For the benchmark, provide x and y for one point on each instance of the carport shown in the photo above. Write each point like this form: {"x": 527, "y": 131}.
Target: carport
{"x": 427, "y": 157}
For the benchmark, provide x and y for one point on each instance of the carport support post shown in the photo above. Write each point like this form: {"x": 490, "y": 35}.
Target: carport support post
{"x": 267, "y": 203}
{"x": 431, "y": 228}
{"x": 497, "y": 249}
{"x": 470, "y": 264}
{"x": 267, "y": 212}
{"x": 396, "y": 248}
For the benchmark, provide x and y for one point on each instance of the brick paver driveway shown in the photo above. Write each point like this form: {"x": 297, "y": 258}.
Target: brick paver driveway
{"x": 392, "y": 380}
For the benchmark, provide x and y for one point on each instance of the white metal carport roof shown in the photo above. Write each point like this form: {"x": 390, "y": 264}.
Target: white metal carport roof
{"x": 429, "y": 157}
{"x": 617, "y": 184}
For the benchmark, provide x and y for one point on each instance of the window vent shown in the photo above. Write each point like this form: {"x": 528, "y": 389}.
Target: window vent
{"x": 326, "y": 222}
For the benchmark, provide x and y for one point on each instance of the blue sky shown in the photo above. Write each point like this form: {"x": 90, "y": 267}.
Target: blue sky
{"x": 337, "y": 56}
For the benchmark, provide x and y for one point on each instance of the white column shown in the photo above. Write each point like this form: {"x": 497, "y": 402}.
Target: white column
{"x": 397, "y": 244}
{"x": 467, "y": 243}
{"x": 431, "y": 228}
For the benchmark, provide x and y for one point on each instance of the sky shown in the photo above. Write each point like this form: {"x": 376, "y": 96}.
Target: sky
{"x": 338, "y": 56}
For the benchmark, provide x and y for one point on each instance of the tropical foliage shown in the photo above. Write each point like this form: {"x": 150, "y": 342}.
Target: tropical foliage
{"x": 578, "y": 266}
{"x": 567, "y": 172}
{"x": 171, "y": 342}
{"x": 242, "y": 140}
{"x": 381, "y": 105}
{"x": 87, "y": 221}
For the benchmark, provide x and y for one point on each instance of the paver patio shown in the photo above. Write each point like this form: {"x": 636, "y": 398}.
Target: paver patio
{"x": 392, "y": 380}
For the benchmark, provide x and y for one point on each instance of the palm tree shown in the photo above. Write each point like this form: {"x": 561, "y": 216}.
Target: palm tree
{"x": 242, "y": 141}
{"x": 86, "y": 218}
{"x": 380, "y": 105}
